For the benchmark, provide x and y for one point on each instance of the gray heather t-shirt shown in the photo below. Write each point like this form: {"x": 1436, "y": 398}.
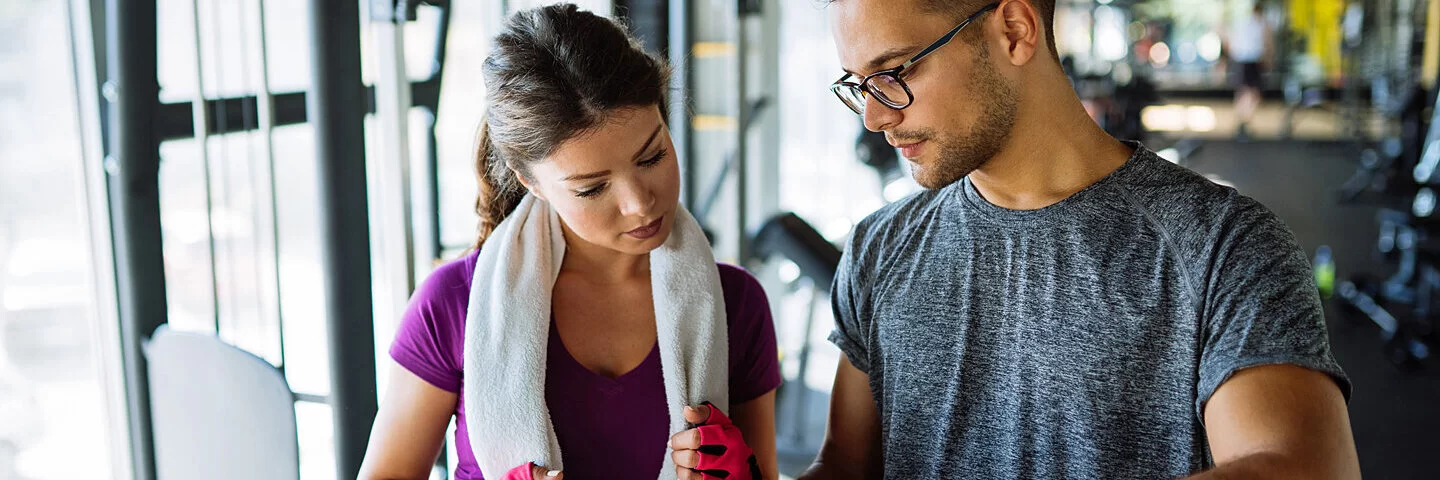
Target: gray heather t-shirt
{"x": 1080, "y": 340}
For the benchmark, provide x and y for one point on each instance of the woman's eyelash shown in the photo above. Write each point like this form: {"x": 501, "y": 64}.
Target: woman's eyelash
{"x": 599, "y": 189}
{"x": 654, "y": 159}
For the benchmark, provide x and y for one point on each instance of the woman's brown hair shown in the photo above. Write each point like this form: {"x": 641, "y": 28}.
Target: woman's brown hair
{"x": 553, "y": 73}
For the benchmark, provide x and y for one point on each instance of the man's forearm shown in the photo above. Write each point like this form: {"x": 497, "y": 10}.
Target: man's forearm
{"x": 821, "y": 471}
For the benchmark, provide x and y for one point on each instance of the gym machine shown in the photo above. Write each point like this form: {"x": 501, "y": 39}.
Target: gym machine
{"x": 1400, "y": 177}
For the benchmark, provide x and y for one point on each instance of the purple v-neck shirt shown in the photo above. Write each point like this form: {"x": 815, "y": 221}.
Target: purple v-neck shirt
{"x": 608, "y": 428}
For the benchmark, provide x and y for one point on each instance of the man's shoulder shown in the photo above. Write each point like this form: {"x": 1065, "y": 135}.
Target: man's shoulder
{"x": 1194, "y": 210}
{"x": 1166, "y": 184}
{"x": 896, "y": 218}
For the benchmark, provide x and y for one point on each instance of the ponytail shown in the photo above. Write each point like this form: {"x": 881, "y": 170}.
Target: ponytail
{"x": 500, "y": 191}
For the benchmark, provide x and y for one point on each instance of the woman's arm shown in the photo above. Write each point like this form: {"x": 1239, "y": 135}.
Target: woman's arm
{"x": 409, "y": 429}
{"x": 756, "y": 419}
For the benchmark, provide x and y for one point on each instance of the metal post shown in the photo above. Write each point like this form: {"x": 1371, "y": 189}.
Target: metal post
{"x": 134, "y": 186}
{"x": 742, "y": 144}
{"x": 678, "y": 49}
{"x": 337, "y": 106}
{"x": 435, "y": 245}
{"x": 393, "y": 236}
{"x": 751, "y": 37}
{"x": 268, "y": 214}
{"x": 202, "y": 138}
{"x": 98, "y": 36}
{"x": 432, "y": 247}
{"x": 801, "y": 422}
{"x": 764, "y": 169}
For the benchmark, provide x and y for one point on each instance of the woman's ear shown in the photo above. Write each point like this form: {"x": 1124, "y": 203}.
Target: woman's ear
{"x": 525, "y": 182}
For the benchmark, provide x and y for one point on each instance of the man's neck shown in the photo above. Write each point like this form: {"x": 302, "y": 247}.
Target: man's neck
{"x": 1054, "y": 151}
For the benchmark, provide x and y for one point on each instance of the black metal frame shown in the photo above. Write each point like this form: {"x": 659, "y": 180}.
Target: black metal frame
{"x": 133, "y": 163}
{"x": 426, "y": 94}
{"x": 175, "y": 120}
{"x": 136, "y": 122}
{"x": 678, "y": 51}
{"x": 337, "y": 110}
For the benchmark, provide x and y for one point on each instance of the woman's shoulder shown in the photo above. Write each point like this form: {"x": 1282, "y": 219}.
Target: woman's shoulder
{"x": 745, "y": 300}
{"x": 452, "y": 275}
{"x": 430, "y": 338}
{"x": 736, "y": 281}
{"x": 447, "y": 289}
{"x": 754, "y": 365}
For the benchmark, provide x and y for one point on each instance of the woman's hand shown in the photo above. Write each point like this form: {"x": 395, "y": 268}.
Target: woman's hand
{"x": 714, "y": 449}
{"x": 531, "y": 471}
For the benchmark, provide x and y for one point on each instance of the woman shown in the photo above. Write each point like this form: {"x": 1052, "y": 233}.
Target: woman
{"x": 575, "y": 127}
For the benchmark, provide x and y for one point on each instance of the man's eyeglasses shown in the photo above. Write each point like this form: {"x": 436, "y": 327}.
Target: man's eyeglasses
{"x": 886, "y": 85}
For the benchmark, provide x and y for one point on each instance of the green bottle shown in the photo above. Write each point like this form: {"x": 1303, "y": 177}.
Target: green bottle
{"x": 1324, "y": 272}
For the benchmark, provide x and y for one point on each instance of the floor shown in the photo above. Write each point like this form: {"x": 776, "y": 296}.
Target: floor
{"x": 1395, "y": 414}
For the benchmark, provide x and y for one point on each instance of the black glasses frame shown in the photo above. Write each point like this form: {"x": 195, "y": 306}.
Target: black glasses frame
{"x": 863, "y": 88}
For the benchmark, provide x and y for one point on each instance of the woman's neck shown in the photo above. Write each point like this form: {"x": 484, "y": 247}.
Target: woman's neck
{"x": 599, "y": 265}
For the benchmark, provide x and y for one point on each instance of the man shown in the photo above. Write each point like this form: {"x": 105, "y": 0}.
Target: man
{"x": 1057, "y": 304}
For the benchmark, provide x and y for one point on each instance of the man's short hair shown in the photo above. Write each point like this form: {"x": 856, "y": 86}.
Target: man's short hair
{"x": 959, "y": 9}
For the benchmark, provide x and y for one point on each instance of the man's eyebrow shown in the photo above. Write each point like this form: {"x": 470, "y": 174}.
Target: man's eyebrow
{"x": 885, "y": 58}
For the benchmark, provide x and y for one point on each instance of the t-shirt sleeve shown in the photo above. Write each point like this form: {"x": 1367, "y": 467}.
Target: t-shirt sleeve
{"x": 849, "y": 333}
{"x": 431, "y": 335}
{"x": 1262, "y": 305}
{"x": 754, "y": 360}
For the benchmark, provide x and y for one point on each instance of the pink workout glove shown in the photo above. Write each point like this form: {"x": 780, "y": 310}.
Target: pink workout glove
{"x": 723, "y": 451}
{"x": 530, "y": 471}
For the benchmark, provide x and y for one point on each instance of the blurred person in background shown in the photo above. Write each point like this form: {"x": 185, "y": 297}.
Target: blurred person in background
{"x": 1249, "y": 47}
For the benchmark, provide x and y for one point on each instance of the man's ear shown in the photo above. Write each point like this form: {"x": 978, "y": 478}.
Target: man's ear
{"x": 1023, "y": 31}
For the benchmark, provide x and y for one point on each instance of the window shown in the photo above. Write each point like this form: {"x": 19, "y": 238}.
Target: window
{"x": 53, "y": 360}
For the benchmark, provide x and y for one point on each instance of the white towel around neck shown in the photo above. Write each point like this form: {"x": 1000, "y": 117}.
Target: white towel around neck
{"x": 507, "y": 331}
